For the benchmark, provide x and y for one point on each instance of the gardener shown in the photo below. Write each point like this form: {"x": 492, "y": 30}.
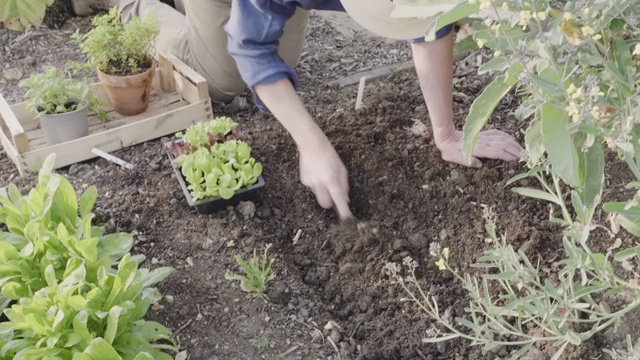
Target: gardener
{"x": 256, "y": 43}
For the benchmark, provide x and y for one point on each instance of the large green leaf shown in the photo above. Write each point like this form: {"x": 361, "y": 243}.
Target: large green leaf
{"x": 458, "y": 13}
{"x": 87, "y": 200}
{"x": 559, "y": 145}
{"x": 23, "y": 14}
{"x": 483, "y": 107}
{"x": 99, "y": 349}
{"x": 592, "y": 178}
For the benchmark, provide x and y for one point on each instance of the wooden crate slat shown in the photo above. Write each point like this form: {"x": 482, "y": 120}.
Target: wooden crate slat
{"x": 119, "y": 138}
{"x": 16, "y": 131}
{"x": 190, "y": 76}
{"x": 169, "y": 102}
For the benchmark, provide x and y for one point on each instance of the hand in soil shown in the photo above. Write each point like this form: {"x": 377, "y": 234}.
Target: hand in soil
{"x": 491, "y": 144}
{"x": 322, "y": 171}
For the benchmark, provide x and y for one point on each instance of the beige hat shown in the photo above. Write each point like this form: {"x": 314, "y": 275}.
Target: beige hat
{"x": 381, "y": 17}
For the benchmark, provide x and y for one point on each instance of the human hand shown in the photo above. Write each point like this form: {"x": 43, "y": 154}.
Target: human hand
{"x": 491, "y": 144}
{"x": 322, "y": 171}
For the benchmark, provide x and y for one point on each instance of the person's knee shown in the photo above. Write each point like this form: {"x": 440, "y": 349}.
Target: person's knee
{"x": 224, "y": 90}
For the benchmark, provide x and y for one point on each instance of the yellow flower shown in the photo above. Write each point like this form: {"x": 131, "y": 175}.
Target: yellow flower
{"x": 588, "y": 30}
{"x": 445, "y": 252}
{"x": 440, "y": 264}
{"x": 570, "y": 32}
{"x": 572, "y": 111}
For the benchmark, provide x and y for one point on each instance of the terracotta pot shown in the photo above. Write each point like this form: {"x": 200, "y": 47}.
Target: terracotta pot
{"x": 128, "y": 94}
{"x": 59, "y": 128}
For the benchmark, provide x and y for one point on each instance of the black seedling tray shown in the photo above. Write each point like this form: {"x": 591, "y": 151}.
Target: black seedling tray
{"x": 208, "y": 206}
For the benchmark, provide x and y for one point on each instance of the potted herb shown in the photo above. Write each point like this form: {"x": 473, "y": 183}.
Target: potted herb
{"x": 61, "y": 104}
{"x": 213, "y": 165}
{"x": 121, "y": 53}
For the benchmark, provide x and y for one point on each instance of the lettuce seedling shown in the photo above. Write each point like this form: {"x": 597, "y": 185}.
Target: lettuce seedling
{"x": 213, "y": 160}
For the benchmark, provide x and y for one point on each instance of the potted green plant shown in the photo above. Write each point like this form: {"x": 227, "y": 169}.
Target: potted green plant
{"x": 62, "y": 104}
{"x": 213, "y": 165}
{"x": 122, "y": 55}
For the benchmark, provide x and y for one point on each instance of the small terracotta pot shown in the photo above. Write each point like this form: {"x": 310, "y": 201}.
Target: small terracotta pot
{"x": 128, "y": 94}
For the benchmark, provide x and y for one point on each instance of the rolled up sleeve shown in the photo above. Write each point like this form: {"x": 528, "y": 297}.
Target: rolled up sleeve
{"x": 253, "y": 32}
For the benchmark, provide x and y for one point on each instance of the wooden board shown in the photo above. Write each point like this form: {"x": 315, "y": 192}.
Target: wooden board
{"x": 179, "y": 98}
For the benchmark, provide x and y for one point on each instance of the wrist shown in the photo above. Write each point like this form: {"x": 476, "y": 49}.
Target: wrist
{"x": 444, "y": 135}
{"x": 311, "y": 140}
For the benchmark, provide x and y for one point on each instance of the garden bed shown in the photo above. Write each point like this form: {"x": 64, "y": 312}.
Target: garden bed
{"x": 179, "y": 98}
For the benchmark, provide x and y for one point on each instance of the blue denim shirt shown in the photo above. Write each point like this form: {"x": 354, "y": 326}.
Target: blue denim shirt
{"x": 253, "y": 31}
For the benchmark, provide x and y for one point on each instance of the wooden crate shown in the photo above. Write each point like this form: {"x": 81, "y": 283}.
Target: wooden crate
{"x": 179, "y": 98}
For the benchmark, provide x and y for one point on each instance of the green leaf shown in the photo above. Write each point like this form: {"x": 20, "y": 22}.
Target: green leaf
{"x": 626, "y": 254}
{"x": 21, "y": 15}
{"x": 559, "y": 145}
{"x": 461, "y": 11}
{"x": 623, "y": 61}
{"x": 99, "y": 349}
{"x": 592, "y": 177}
{"x": 88, "y": 200}
{"x": 156, "y": 275}
{"x": 115, "y": 246}
{"x": 14, "y": 290}
{"x": 481, "y": 110}
{"x": 537, "y": 194}
{"x": 112, "y": 324}
{"x": 499, "y": 63}
{"x": 464, "y": 322}
{"x": 226, "y": 193}
{"x": 144, "y": 356}
{"x": 505, "y": 275}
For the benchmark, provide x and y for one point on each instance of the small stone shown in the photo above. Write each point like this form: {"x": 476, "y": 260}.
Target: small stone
{"x": 263, "y": 212}
{"x": 189, "y": 261}
{"x": 335, "y": 336}
{"x": 12, "y": 74}
{"x": 29, "y": 61}
{"x": 247, "y": 209}
{"x": 170, "y": 298}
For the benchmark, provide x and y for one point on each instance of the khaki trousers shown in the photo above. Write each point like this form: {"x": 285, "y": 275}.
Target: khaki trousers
{"x": 198, "y": 38}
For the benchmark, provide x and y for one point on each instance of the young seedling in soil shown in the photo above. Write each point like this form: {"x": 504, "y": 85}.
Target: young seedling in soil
{"x": 257, "y": 274}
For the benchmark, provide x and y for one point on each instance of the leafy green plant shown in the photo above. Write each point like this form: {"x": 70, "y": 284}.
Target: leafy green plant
{"x": 61, "y": 295}
{"x": 204, "y": 133}
{"x": 118, "y": 48}
{"x": 22, "y": 15}
{"x": 630, "y": 353}
{"x": 257, "y": 273}
{"x": 213, "y": 161}
{"x": 263, "y": 341}
{"x": 514, "y": 305}
{"x": 51, "y": 92}
{"x": 576, "y": 66}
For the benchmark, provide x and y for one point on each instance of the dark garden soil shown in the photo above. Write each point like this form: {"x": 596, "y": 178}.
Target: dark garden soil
{"x": 403, "y": 195}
